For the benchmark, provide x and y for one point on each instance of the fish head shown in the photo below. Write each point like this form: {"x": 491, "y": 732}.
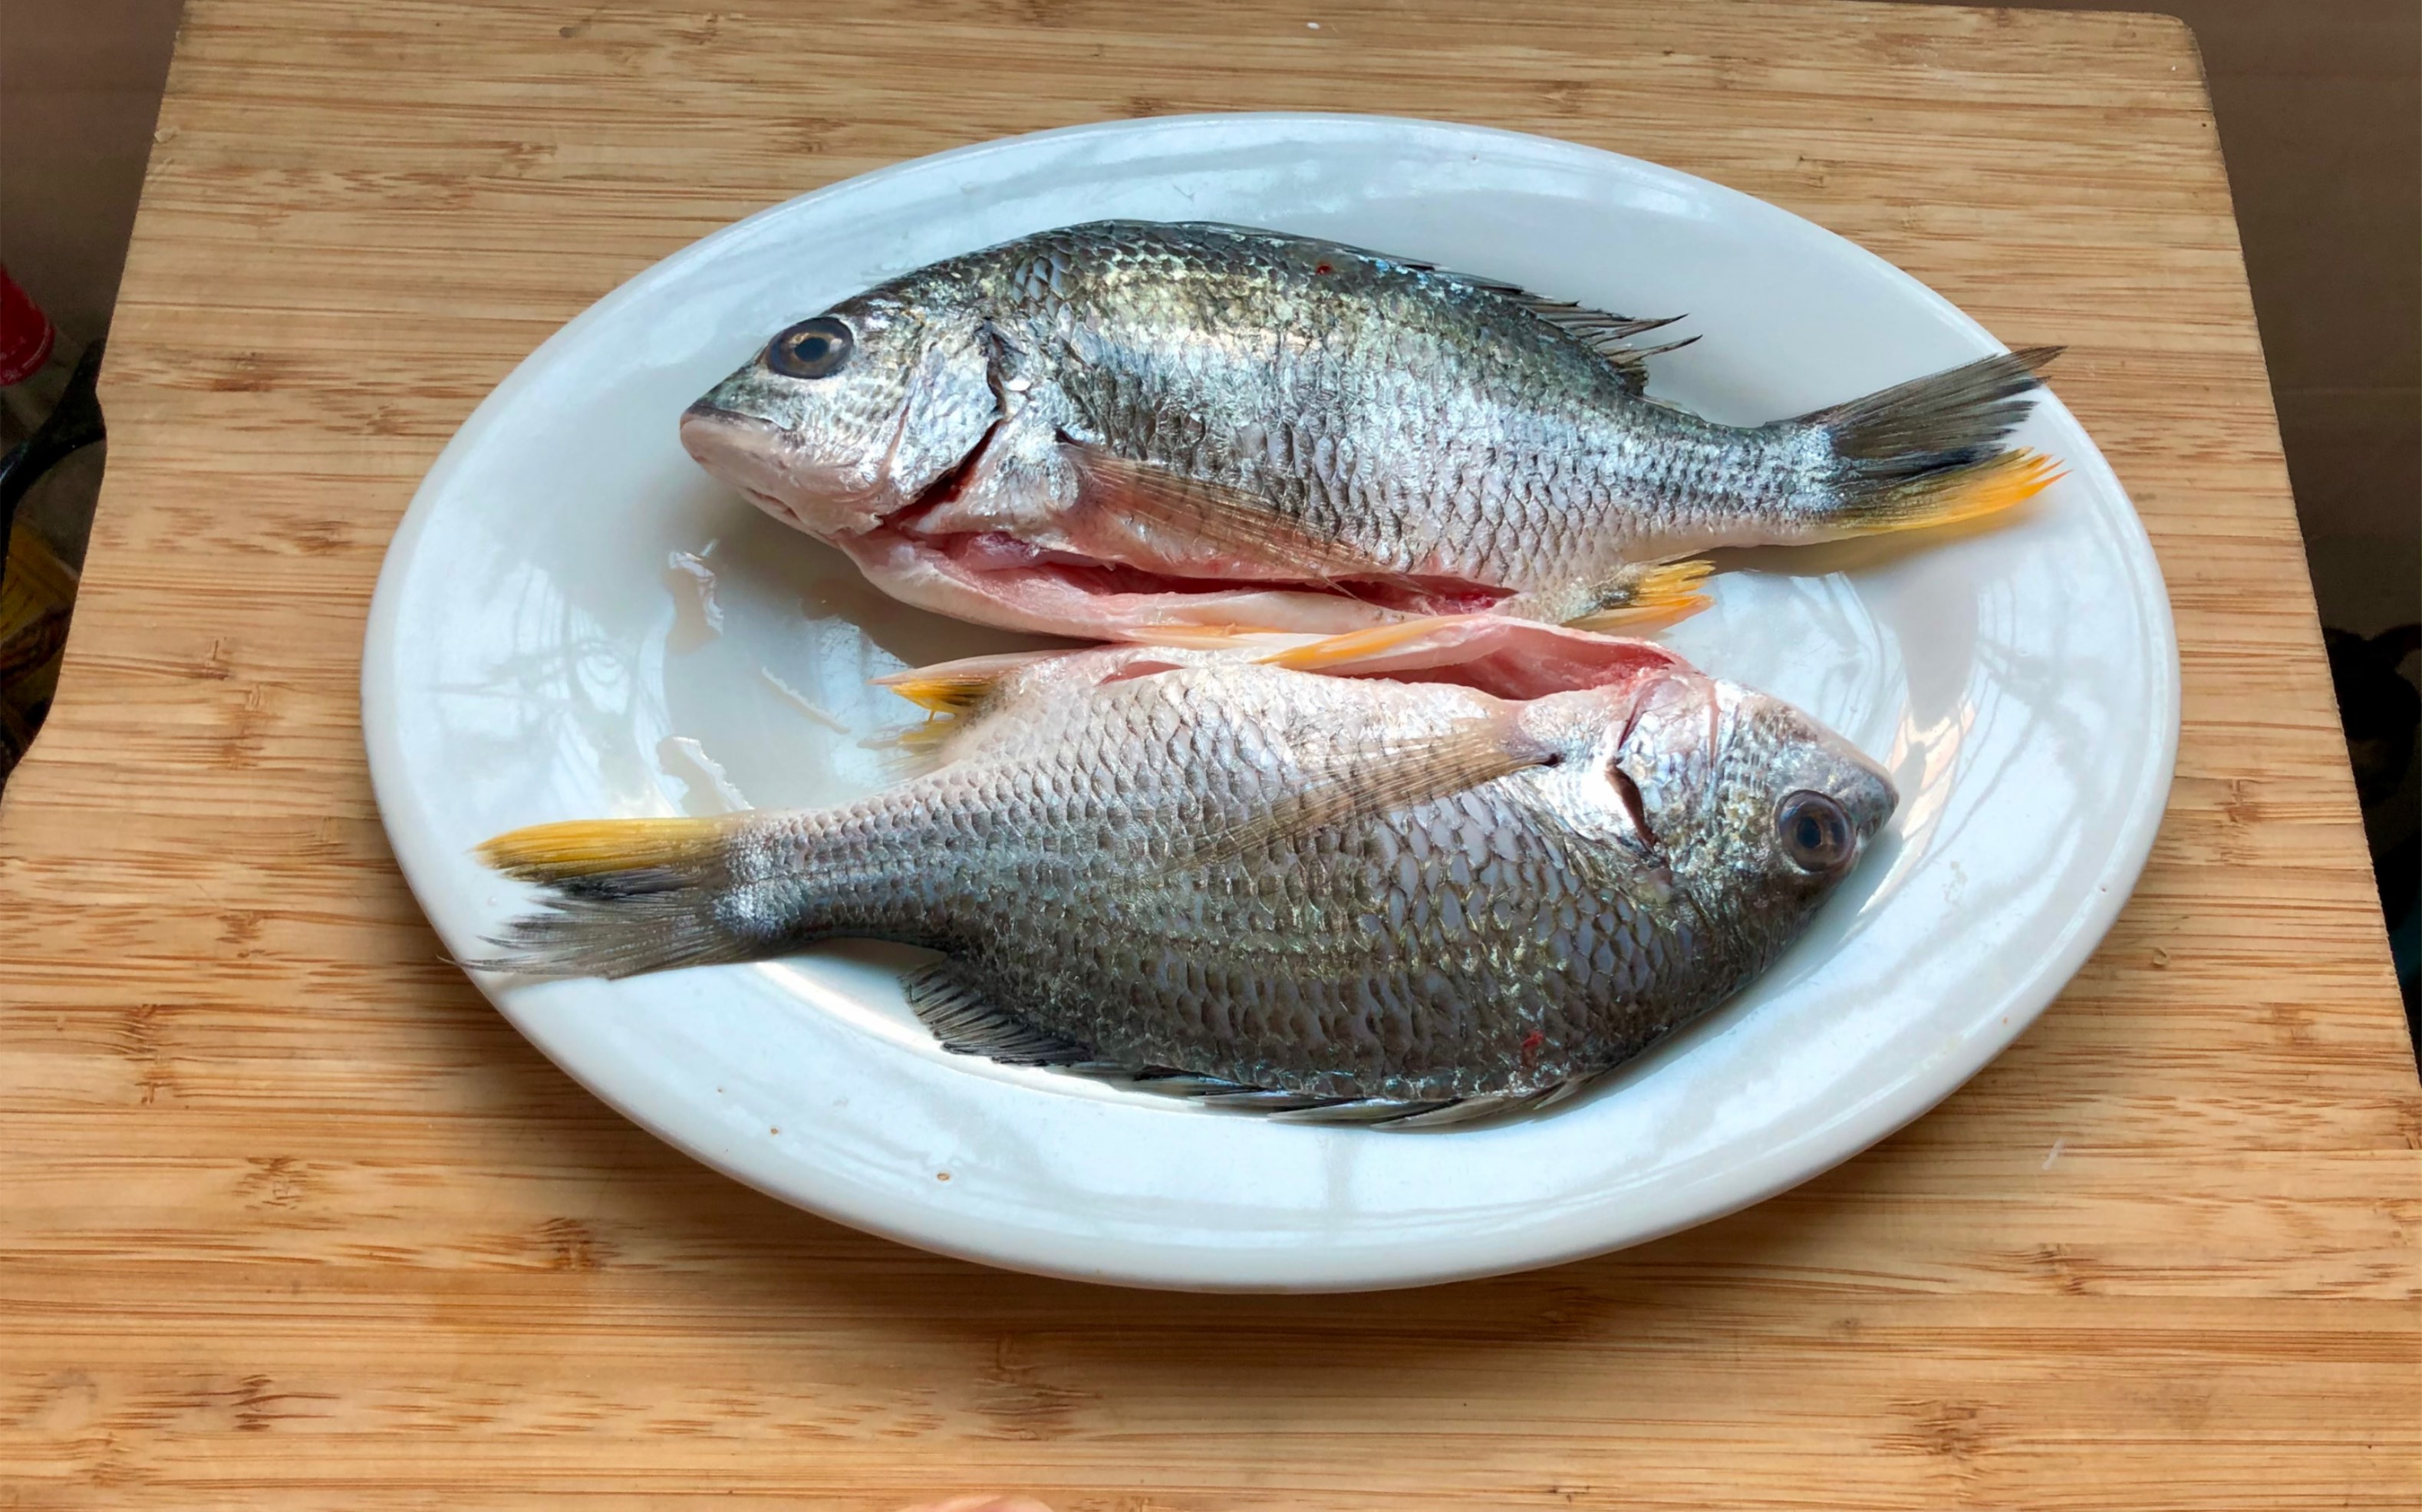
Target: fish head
{"x": 1756, "y": 809}
{"x": 850, "y": 416}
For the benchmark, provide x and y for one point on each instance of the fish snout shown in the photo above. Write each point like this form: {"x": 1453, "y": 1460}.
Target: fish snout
{"x": 1867, "y": 794}
{"x": 718, "y": 439}
{"x": 756, "y": 457}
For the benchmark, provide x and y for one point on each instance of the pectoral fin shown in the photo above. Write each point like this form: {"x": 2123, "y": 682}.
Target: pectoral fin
{"x": 1510, "y": 658}
{"x": 1363, "y": 778}
{"x": 1184, "y": 522}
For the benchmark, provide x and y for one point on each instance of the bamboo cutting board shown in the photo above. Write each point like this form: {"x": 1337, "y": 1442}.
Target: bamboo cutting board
{"x": 290, "y": 1219}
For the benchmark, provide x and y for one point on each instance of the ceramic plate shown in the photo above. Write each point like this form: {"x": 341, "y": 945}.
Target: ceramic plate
{"x": 543, "y": 647}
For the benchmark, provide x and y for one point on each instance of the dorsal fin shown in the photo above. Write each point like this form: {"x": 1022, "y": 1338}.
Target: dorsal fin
{"x": 1171, "y": 512}
{"x": 1605, "y": 334}
{"x": 1601, "y": 331}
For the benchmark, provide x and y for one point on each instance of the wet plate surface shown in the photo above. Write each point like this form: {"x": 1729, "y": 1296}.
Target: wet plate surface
{"x": 574, "y": 622}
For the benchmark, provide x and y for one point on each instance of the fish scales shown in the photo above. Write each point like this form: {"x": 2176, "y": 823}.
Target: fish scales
{"x": 1103, "y": 429}
{"x": 1330, "y": 886}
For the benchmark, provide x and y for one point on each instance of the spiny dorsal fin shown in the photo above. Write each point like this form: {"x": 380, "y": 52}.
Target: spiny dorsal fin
{"x": 1599, "y": 330}
{"x": 948, "y": 996}
{"x": 1606, "y": 334}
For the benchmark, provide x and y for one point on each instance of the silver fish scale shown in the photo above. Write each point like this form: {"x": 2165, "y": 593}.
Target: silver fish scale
{"x": 1483, "y": 943}
{"x": 1434, "y": 423}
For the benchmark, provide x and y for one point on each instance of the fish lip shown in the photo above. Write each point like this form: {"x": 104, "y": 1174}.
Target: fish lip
{"x": 745, "y": 453}
{"x": 704, "y": 420}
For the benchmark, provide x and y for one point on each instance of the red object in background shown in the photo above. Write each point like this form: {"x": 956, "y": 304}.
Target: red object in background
{"x": 26, "y": 335}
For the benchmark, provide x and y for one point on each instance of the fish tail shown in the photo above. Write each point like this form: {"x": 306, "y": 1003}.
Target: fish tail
{"x": 621, "y": 896}
{"x": 1929, "y": 452}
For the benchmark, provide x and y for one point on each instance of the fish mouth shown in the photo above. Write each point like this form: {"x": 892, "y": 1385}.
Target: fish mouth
{"x": 780, "y": 508}
{"x": 749, "y": 454}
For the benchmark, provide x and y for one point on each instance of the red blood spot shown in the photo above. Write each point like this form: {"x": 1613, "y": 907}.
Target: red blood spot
{"x": 1323, "y": 268}
{"x": 1530, "y": 1046}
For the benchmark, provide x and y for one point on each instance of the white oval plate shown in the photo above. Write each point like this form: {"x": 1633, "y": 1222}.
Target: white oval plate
{"x": 529, "y": 661}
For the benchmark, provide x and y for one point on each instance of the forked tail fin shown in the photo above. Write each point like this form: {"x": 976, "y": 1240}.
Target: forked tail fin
{"x": 1929, "y": 452}
{"x": 621, "y": 896}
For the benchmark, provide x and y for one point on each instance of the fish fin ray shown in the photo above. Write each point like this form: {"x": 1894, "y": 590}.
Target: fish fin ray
{"x": 953, "y": 1002}
{"x": 1945, "y": 418}
{"x": 963, "y": 685}
{"x": 1330, "y": 1109}
{"x": 1270, "y": 1100}
{"x": 1364, "y": 1112}
{"x": 1218, "y": 637}
{"x": 1353, "y": 648}
{"x": 1607, "y": 335}
{"x": 1486, "y": 1105}
{"x": 579, "y": 934}
{"x": 620, "y": 896}
{"x": 577, "y": 849}
{"x": 1952, "y": 496}
{"x": 956, "y": 695}
{"x": 1929, "y": 452}
{"x": 1648, "y": 596}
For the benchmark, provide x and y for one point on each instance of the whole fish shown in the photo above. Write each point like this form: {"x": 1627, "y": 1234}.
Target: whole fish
{"x": 1423, "y": 870}
{"x": 1112, "y": 428}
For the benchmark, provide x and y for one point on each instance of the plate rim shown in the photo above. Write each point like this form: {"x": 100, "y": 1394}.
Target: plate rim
{"x": 1893, "y": 1105}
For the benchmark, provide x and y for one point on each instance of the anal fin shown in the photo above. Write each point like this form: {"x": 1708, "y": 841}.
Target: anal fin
{"x": 952, "y": 1002}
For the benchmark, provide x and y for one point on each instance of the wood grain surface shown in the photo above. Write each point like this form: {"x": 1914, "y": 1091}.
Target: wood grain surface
{"x": 290, "y": 1220}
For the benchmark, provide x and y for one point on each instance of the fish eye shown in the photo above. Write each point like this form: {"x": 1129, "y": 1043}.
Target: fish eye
{"x": 811, "y": 349}
{"x": 1814, "y": 832}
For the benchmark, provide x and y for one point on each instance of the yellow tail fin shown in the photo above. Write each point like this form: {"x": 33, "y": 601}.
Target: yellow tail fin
{"x": 623, "y": 896}
{"x": 599, "y": 847}
{"x": 1954, "y": 496}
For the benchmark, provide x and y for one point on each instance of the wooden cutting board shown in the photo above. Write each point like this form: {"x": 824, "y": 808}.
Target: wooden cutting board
{"x": 290, "y": 1219}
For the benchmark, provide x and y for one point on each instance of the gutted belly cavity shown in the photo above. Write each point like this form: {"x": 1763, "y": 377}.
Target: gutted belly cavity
{"x": 1104, "y": 563}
